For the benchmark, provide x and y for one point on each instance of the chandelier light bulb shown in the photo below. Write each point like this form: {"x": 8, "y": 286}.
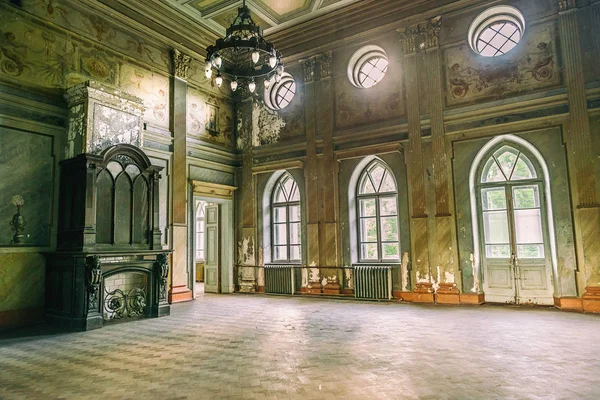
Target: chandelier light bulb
{"x": 272, "y": 61}
{"x": 268, "y": 83}
{"x": 280, "y": 69}
{"x": 208, "y": 73}
{"x": 277, "y": 78}
{"x": 234, "y": 85}
{"x": 208, "y": 65}
{"x": 218, "y": 61}
{"x": 251, "y": 87}
{"x": 255, "y": 56}
{"x": 219, "y": 80}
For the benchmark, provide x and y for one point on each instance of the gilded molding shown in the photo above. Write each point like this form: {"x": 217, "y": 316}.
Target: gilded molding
{"x": 181, "y": 64}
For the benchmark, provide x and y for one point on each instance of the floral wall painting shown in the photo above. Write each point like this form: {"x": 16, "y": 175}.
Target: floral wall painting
{"x": 211, "y": 120}
{"x": 152, "y": 88}
{"x": 532, "y": 65}
{"x": 209, "y": 117}
{"x": 25, "y": 193}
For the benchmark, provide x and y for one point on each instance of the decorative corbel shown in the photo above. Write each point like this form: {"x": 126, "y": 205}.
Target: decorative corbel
{"x": 161, "y": 266}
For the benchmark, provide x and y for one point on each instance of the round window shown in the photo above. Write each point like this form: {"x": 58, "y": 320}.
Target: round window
{"x": 280, "y": 94}
{"x": 496, "y": 31}
{"x": 367, "y": 66}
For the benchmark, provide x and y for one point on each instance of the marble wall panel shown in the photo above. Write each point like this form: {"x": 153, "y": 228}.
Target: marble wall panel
{"x": 531, "y": 65}
{"x": 27, "y": 170}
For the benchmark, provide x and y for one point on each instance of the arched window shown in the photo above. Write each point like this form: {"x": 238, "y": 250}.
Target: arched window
{"x": 200, "y": 205}
{"x": 286, "y": 227}
{"x": 511, "y": 206}
{"x": 377, "y": 204}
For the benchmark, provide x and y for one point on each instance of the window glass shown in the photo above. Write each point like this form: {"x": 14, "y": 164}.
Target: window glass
{"x": 286, "y": 220}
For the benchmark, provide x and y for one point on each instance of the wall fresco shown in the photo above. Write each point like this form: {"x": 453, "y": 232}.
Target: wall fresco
{"x": 209, "y": 117}
{"x": 152, "y": 88}
{"x": 531, "y": 65}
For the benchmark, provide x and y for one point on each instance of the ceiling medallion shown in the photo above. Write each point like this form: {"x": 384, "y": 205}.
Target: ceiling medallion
{"x": 243, "y": 55}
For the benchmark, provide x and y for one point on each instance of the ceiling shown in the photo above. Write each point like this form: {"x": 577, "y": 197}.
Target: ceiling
{"x": 271, "y": 15}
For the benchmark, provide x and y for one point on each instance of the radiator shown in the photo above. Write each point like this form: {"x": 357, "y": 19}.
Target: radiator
{"x": 279, "y": 279}
{"x": 373, "y": 282}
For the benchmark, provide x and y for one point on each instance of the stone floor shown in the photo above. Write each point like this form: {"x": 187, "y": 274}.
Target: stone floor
{"x": 260, "y": 347}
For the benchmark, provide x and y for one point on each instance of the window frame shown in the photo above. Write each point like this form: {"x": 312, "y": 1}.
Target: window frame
{"x": 287, "y": 205}
{"x": 272, "y": 92}
{"x": 359, "y": 59}
{"x": 200, "y": 219}
{"x": 491, "y": 16}
{"x": 377, "y": 195}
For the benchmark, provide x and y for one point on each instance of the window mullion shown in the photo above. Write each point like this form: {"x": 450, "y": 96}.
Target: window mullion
{"x": 378, "y": 225}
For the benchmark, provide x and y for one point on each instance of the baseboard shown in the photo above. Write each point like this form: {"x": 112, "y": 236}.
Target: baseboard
{"x": 569, "y": 303}
{"x": 472, "y": 298}
{"x": 17, "y": 318}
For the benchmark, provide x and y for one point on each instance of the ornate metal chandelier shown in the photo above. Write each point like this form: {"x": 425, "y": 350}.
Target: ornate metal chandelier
{"x": 243, "y": 55}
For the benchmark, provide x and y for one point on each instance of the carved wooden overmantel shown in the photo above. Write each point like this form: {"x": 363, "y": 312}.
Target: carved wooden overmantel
{"x": 101, "y": 116}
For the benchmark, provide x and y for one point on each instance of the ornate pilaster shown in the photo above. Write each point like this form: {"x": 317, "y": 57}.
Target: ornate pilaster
{"x": 180, "y": 279}
{"x": 410, "y": 39}
{"x": 579, "y": 144}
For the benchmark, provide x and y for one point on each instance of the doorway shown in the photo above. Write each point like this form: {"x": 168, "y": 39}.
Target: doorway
{"x": 511, "y": 204}
{"x": 212, "y": 243}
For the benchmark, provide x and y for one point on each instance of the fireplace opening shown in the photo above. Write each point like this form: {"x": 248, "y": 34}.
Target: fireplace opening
{"x": 125, "y": 295}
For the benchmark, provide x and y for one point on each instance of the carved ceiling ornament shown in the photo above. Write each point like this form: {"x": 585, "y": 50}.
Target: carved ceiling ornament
{"x": 181, "y": 64}
{"x": 421, "y": 36}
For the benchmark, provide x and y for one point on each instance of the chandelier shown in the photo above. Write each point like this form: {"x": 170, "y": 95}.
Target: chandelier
{"x": 243, "y": 55}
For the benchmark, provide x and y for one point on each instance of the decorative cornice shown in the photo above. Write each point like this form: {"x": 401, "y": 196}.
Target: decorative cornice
{"x": 565, "y": 5}
{"x": 181, "y": 64}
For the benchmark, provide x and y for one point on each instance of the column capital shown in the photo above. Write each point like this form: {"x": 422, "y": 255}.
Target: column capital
{"x": 180, "y": 64}
{"x": 421, "y": 36}
{"x": 308, "y": 68}
{"x": 431, "y": 32}
{"x": 408, "y": 39}
{"x": 325, "y": 64}
{"x": 565, "y": 5}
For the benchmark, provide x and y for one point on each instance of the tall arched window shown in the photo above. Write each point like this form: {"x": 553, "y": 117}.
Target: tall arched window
{"x": 512, "y": 208}
{"x": 377, "y": 204}
{"x": 286, "y": 227}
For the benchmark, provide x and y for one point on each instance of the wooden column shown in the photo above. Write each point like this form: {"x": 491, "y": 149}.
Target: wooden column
{"x": 444, "y": 256}
{"x": 179, "y": 286}
{"x": 421, "y": 274}
{"x": 579, "y": 144}
{"x": 328, "y": 176}
{"x": 311, "y": 176}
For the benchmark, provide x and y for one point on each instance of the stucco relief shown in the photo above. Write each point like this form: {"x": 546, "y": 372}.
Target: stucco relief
{"x": 112, "y": 126}
{"x": 209, "y": 117}
{"x": 152, "y": 88}
{"x": 364, "y": 106}
{"x": 532, "y": 65}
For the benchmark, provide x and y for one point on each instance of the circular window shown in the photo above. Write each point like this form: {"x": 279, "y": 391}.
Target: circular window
{"x": 367, "y": 66}
{"x": 496, "y": 31}
{"x": 280, "y": 94}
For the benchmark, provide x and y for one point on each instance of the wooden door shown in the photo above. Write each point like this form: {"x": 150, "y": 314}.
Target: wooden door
{"x": 212, "y": 250}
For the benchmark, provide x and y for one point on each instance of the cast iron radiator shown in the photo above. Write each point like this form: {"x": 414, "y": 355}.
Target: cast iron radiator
{"x": 279, "y": 279}
{"x": 373, "y": 282}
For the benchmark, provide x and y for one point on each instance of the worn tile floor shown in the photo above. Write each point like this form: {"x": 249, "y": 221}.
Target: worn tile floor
{"x": 260, "y": 347}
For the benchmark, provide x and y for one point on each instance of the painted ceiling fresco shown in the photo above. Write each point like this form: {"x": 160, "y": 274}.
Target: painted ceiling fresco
{"x": 271, "y": 15}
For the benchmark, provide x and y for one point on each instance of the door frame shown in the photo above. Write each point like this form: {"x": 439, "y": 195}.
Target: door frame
{"x": 474, "y": 172}
{"x": 223, "y": 196}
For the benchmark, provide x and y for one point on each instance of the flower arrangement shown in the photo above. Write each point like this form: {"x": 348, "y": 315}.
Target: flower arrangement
{"x": 17, "y": 200}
